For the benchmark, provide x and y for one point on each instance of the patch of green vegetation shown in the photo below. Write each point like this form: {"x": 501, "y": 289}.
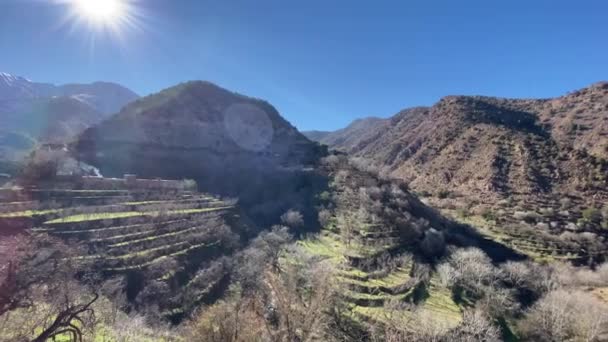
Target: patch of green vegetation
{"x": 96, "y": 230}
{"x": 441, "y": 305}
{"x": 488, "y": 215}
{"x": 123, "y": 236}
{"x": 117, "y": 215}
{"x": 442, "y": 194}
{"x": 396, "y": 278}
{"x": 380, "y": 296}
{"x": 30, "y": 213}
{"x": 324, "y": 246}
{"x": 354, "y": 273}
{"x": 163, "y": 257}
{"x": 155, "y": 237}
{"x": 211, "y": 199}
{"x": 592, "y": 215}
{"x": 518, "y": 242}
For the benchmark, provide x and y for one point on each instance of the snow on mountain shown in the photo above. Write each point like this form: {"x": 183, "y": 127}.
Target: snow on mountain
{"x": 105, "y": 97}
{"x": 42, "y": 112}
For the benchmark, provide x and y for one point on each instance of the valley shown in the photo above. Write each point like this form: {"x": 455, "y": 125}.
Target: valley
{"x": 461, "y": 221}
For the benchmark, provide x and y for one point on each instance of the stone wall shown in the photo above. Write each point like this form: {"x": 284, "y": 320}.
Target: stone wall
{"x": 132, "y": 182}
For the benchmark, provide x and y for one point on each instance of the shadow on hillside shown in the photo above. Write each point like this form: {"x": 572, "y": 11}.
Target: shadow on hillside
{"x": 467, "y": 236}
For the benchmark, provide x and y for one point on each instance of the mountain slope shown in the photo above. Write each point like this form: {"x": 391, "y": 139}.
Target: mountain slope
{"x": 348, "y": 137}
{"x": 475, "y": 143}
{"x": 105, "y": 97}
{"x": 229, "y": 143}
{"x": 524, "y": 164}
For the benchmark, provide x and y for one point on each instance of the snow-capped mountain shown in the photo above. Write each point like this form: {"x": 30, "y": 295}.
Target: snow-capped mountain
{"x": 105, "y": 97}
{"x": 14, "y": 88}
{"x": 36, "y": 112}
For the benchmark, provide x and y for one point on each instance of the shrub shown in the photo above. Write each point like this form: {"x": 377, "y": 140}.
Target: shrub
{"x": 527, "y": 216}
{"x": 475, "y": 326}
{"x": 433, "y": 243}
{"x": 470, "y": 270}
{"x": 463, "y": 212}
{"x": 325, "y": 196}
{"x": 565, "y": 316}
{"x": 292, "y": 218}
{"x": 488, "y": 215}
{"x": 442, "y": 194}
{"x": 592, "y": 215}
{"x": 324, "y": 217}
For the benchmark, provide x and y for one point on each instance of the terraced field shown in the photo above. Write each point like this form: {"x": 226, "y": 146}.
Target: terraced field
{"x": 536, "y": 243}
{"x": 371, "y": 291}
{"x": 544, "y": 228}
{"x": 129, "y": 232}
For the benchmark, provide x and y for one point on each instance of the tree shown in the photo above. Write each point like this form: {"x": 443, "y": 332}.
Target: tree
{"x": 324, "y": 217}
{"x": 565, "y": 315}
{"x": 475, "y": 326}
{"x": 293, "y": 219}
{"x": 433, "y": 243}
{"x": 299, "y": 297}
{"x": 40, "y": 292}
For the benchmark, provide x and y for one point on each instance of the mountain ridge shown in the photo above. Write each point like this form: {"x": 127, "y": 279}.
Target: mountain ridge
{"x": 45, "y": 113}
{"x": 522, "y": 166}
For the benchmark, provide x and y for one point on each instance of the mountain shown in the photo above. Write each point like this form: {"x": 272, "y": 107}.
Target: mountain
{"x": 526, "y": 163}
{"x": 488, "y": 145}
{"x": 345, "y": 138}
{"x": 229, "y": 143}
{"x": 316, "y": 135}
{"x": 32, "y": 112}
{"x": 104, "y": 97}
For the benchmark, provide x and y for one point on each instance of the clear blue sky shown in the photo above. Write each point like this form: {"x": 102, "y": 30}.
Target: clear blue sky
{"x": 323, "y": 63}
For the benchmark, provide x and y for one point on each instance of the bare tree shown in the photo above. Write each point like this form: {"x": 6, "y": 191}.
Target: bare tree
{"x": 475, "y": 326}
{"x": 293, "y": 219}
{"x": 324, "y": 217}
{"x": 565, "y": 315}
{"x": 41, "y": 281}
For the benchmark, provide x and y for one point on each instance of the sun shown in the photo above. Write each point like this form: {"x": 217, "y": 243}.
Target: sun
{"x": 103, "y": 18}
{"x": 101, "y": 11}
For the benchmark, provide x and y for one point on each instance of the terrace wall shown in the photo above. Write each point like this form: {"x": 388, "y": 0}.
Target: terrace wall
{"x": 128, "y": 182}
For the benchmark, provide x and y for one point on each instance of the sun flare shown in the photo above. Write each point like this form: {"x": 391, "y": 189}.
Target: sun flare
{"x": 104, "y": 11}
{"x": 110, "y": 18}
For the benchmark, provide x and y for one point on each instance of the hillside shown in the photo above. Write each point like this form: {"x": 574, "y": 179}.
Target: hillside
{"x": 229, "y": 143}
{"x": 151, "y": 234}
{"x": 525, "y": 164}
{"x": 316, "y": 135}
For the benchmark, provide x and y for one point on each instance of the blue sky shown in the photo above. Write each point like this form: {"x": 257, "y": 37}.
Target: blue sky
{"x": 323, "y": 63}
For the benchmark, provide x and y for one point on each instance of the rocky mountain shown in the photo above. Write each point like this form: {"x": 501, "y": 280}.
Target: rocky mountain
{"x": 229, "y": 143}
{"x": 491, "y": 146}
{"x": 32, "y": 112}
{"x": 530, "y": 163}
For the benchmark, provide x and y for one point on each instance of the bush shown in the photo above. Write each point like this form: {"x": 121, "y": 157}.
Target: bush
{"x": 565, "y": 316}
{"x": 442, "y": 194}
{"x": 488, "y": 215}
{"x": 433, "y": 244}
{"x": 470, "y": 270}
{"x": 592, "y": 215}
{"x": 324, "y": 217}
{"x": 292, "y": 218}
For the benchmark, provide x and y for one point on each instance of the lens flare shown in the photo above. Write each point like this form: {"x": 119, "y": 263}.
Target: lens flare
{"x": 113, "y": 17}
{"x": 104, "y": 11}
